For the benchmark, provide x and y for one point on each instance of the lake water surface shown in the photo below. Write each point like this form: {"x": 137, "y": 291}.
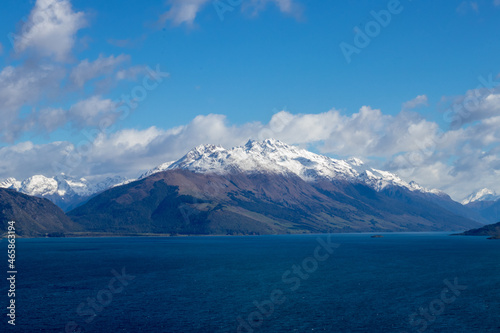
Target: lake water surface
{"x": 416, "y": 282}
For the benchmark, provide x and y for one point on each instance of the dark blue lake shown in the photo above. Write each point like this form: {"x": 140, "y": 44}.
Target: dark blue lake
{"x": 422, "y": 282}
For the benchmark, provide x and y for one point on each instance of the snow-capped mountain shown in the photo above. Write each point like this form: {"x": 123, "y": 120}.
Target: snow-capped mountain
{"x": 63, "y": 190}
{"x": 11, "y": 182}
{"x": 159, "y": 168}
{"x": 269, "y": 187}
{"x": 481, "y": 195}
{"x": 274, "y": 156}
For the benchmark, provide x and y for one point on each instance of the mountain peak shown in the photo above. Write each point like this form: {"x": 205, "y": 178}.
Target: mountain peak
{"x": 355, "y": 161}
{"x": 39, "y": 185}
{"x": 11, "y": 182}
{"x": 203, "y": 150}
{"x": 275, "y": 156}
{"x": 265, "y": 143}
{"x": 159, "y": 168}
{"x": 484, "y": 194}
{"x": 61, "y": 189}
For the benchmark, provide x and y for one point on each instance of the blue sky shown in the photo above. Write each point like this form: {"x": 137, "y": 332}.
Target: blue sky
{"x": 266, "y": 68}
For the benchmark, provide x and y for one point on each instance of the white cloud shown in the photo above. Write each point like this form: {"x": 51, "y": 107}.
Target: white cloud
{"x": 420, "y": 100}
{"x": 130, "y": 73}
{"x": 91, "y": 111}
{"x": 87, "y": 70}
{"x": 476, "y": 104}
{"x": 182, "y": 11}
{"x": 95, "y": 112}
{"x": 185, "y": 11}
{"x": 50, "y": 29}
{"x": 496, "y": 2}
{"x": 50, "y": 119}
{"x": 18, "y": 160}
{"x": 23, "y": 86}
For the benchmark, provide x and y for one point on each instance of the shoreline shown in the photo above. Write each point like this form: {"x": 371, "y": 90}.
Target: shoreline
{"x": 153, "y": 235}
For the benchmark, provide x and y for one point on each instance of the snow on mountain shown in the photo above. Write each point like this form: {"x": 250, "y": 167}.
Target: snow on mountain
{"x": 108, "y": 183}
{"x": 274, "y": 156}
{"x": 355, "y": 161}
{"x": 61, "y": 189}
{"x": 267, "y": 156}
{"x": 159, "y": 168}
{"x": 39, "y": 185}
{"x": 11, "y": 182}
{"x": 481, "y": 195}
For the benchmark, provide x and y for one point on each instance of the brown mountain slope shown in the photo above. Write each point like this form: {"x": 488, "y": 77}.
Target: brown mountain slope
{"x": 492, "y": 230}
{"x": 180, "y": 201}
{"x": 33, "y": 216}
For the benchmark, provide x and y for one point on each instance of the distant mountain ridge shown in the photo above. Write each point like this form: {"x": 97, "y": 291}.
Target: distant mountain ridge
{"x": 64, "y": 191}
{"x": 485, "y": 203}
{"x": 484, "y": 194}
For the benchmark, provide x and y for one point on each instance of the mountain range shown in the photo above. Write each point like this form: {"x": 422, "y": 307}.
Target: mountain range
{"x": 66, "y": 192}
{"x": 260, "y": 188}
{"x": 486, "y": 203}
{"x": 269, "y": 187}
{"x": 484, "y": 194}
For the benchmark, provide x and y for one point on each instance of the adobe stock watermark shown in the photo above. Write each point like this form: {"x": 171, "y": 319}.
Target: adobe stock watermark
{"x": 293, "y": 278}
{"x": 37, "y": 18}
{"x": 89, "y": 309}
{"x": 223, "y": 6}
{"x": 424, "y": 317}
{"x": 363, "y": 37}
{"x": 126, "y": 104}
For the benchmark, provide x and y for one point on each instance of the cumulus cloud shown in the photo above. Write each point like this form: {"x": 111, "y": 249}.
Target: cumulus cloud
{"x": 50, "y": 29}
{"x": 420, "y": 100}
